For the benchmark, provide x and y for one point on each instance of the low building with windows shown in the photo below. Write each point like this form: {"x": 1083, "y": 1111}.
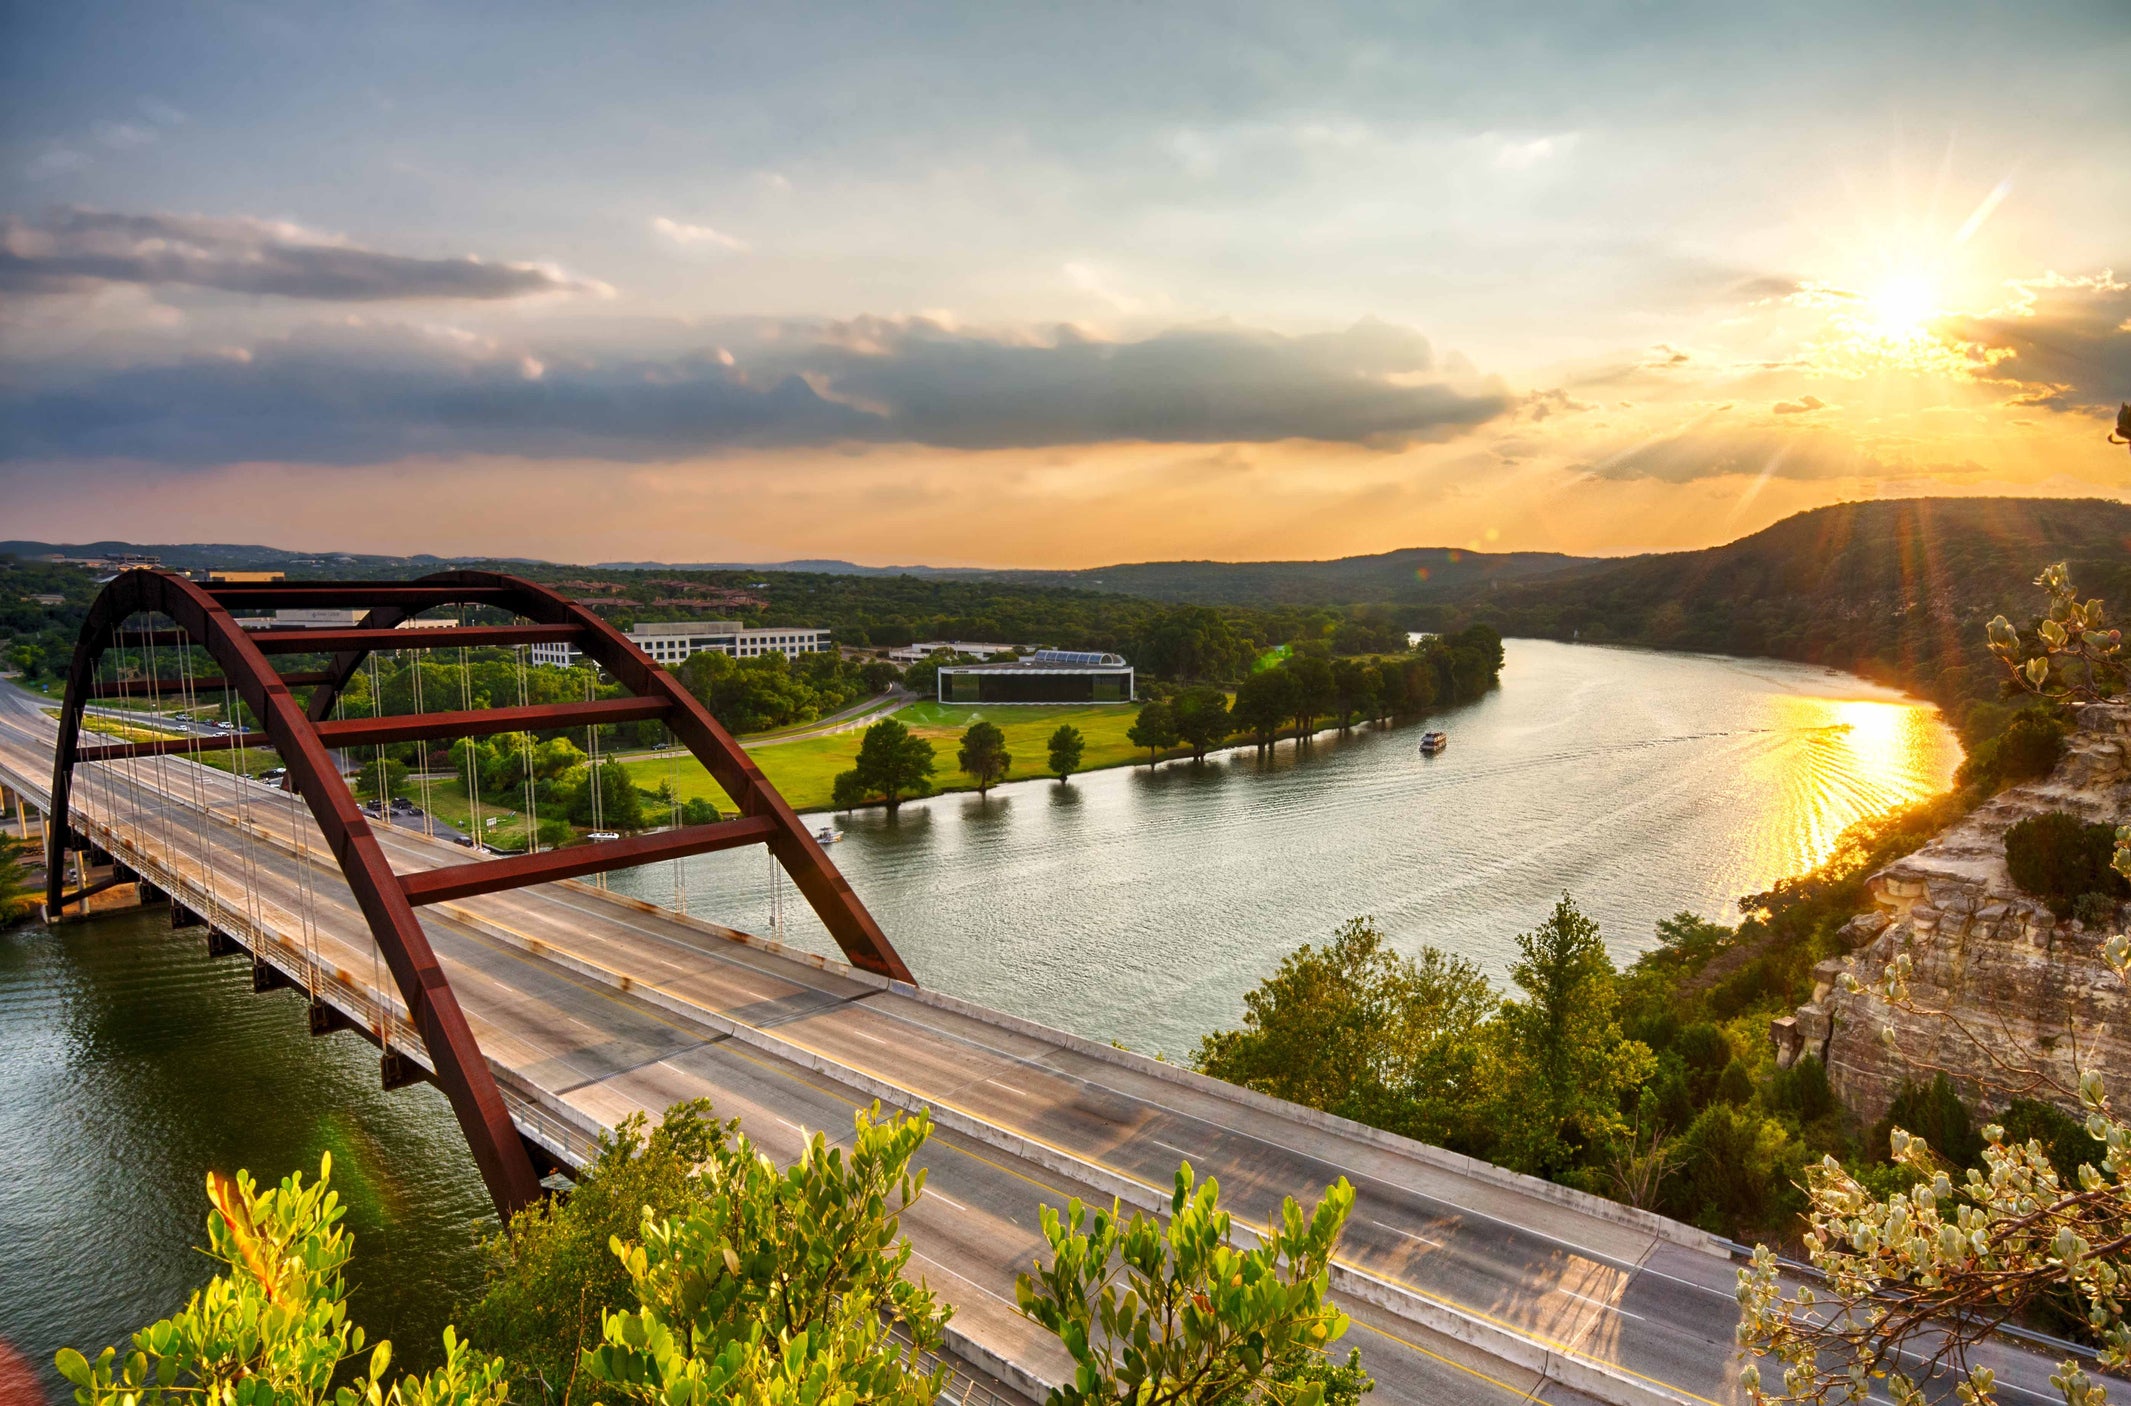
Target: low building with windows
{"x": 1047, "y": 676}
{"x": 919, "y": 653}
{"x": 668, "y": 642}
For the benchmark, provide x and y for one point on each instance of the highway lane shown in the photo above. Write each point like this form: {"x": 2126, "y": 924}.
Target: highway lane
{"x": 526, "y": 964}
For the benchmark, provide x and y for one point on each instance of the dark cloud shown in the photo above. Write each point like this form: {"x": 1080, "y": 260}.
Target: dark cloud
{"x": 73, "y": 250}
{"x": 342, "y": 396}
{"x": 2068, "y": 348}
{"x": 1803, "y": 405}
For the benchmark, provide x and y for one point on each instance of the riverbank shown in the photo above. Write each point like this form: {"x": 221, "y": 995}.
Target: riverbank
{"x": 804, "y": 771}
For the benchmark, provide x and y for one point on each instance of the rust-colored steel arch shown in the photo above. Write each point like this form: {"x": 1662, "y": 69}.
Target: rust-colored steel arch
{"x": 305, "y": 738}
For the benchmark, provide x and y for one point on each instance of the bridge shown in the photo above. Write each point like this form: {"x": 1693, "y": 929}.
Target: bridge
{"x": 548, "y": 1009}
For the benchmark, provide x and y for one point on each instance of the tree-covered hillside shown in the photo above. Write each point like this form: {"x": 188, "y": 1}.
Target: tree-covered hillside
{"x": 1898, "y": 591}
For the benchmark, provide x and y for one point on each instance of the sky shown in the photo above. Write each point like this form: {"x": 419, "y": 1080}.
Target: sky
{"x": 1050, "y": 286}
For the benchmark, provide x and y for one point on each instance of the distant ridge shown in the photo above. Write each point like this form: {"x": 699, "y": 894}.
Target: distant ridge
{"x": 1407, "y": 575}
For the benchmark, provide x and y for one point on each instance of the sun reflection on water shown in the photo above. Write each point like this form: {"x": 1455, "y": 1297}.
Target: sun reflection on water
{"x": 1843, "y": 760}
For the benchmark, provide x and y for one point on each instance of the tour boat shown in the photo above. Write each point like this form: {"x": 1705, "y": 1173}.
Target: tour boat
{"x": 1434, "y": 742}
{"x": 826, "y": 836}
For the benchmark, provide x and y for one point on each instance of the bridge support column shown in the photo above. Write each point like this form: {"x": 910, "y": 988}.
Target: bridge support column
{"x": 221, "y": 944}
{"x": 150, "y": 893}
{"x": 396, "y": 1071}
{"x": 183, "y": 917}
{"x": 326, "y": 1018}
{"x": 266, "y": 976}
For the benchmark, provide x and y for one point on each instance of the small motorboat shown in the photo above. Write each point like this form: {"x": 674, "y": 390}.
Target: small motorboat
{"x": 827, "y": 836}
{"x": 1434, "y": 742}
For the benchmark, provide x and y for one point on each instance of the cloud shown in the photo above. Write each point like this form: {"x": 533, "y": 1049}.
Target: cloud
{"x": 2065, "y": 344}
{"x": 364, "y": 394}
{"x": 688, "y": 235}
{"x": 1803, "y": 405}
{"x": 1709, "y": 448}
{"x": 1522, "y": 156}
{"x": 59, "y": 161}
{"x": 77, "y": 250}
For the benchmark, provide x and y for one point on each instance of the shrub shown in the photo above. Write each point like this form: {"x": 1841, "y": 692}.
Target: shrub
{"x": 1729, "y": 1178}
{"x": 2095, "y": 909}
{"x": 553, "y": 1276}
{"x": 2058, "y": 857}
{"x": 1803, "y": 1089}
{"x": 1735, "y": 1085}
{"x": 1935, "y": 1113}
{"x": 2029, "y": 748}
{"x": 2063, "y": 1137}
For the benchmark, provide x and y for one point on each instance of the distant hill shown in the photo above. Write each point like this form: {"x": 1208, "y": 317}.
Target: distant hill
{"x": 1406, "y": 576}
{"x": 189, "y": 556}
{"x": 1898, "y": 590}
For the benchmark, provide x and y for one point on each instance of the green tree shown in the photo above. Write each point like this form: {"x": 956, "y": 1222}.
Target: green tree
{"x": 1312, "y": 693}
{"x": 1263, "y": 703}
{"x": 1067, "y": 747}
{"x": 16, "y": 898}
{"x": 1154, "y": 728}
{"x": 983, "y": 756}
{"x": 1353, "y": 691}
{"x": 553, "y": 1275}
{"x": 381, "y": 779}
{"x": 621, "y": 804}
{"x": 1357, "y": 1029}
{"x": 1566, "y": 1062}
{"x": 1176, "y": 1315}
{"x": 271, "y": 1327}
{"x": 891, "y": 764}
{"x": 781, "y": 1286}
{"x": 1202, "y": 720}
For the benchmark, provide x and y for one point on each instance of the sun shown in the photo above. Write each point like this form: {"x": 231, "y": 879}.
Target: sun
{"x": 1902, "y": 308}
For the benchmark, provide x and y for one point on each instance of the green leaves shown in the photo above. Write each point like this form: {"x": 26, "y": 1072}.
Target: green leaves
{"x": 2080, "y": 658}
{"x": 779, "y": 1284}
{"x": 1154, "y": 1315}
{"x": 272, "y": 1329}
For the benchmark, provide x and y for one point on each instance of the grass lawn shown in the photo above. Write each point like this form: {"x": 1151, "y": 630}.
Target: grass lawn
{"x": 805, "y": 771}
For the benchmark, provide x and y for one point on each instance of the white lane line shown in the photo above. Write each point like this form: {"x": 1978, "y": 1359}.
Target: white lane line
{"x": 1010, "y": 1088}
{"x": 919, "y": 1254}
{"x": 930, "y": 1194}
{"x": 1180, "y": 1151}
{"x": 1410, "y": 1235}
{"x": 1601, "y": 1303}
{"x": 790, "y": 1124}
{"x": 864, "y": 1036}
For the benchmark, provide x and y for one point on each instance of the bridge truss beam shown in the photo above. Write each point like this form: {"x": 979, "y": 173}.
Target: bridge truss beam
{"x": 304, "y": 736}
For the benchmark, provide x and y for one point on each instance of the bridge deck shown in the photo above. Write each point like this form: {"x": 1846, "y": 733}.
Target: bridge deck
{"x": 1466, "y": 1284}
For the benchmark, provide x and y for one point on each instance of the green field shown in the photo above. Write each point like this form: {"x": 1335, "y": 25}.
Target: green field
{"x": 804, "y": 771}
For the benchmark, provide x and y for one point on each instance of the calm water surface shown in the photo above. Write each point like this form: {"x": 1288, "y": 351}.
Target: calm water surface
{"x": 1139, "y": 906}
{"x": 1127, "y": 905}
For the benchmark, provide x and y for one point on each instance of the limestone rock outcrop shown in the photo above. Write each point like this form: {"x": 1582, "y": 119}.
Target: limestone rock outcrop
{"x": 1984, "y": 954}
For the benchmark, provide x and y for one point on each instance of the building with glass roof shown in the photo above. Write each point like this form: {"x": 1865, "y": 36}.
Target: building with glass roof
{"x": 1047, "y": 676}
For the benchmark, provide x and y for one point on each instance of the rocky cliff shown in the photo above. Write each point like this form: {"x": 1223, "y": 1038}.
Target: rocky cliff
{"x": 1981, "y": 951}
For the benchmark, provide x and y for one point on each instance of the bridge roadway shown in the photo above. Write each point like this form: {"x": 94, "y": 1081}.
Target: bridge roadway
{"x": 1467, "y": 1284}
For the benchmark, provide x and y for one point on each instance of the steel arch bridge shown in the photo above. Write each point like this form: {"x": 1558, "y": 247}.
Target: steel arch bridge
{"x": 200, "y": 616}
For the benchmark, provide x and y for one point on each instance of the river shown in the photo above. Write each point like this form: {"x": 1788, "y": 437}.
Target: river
{"x": 1129, "y": 905}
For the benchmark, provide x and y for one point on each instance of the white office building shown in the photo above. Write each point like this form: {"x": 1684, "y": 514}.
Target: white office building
{"x": 668, "y": 642}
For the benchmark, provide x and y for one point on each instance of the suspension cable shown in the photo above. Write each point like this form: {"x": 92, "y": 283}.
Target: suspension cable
{"x": 599, "y": 780}
{"x": 429, "y": 819}
{"x": 673, "y": 796}
{"x": 532, "y": 791}
{"x": 194, "y": 770}
{"x": 473, "y": 752}
{"x": 161, "y": 760}
{"x": 239, "y": 781}
{"x": 377, "y": 710}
